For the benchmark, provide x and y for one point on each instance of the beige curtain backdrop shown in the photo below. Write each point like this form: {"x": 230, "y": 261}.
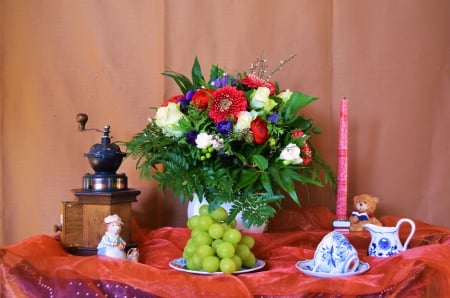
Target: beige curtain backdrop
{"x": 390, "y": 58}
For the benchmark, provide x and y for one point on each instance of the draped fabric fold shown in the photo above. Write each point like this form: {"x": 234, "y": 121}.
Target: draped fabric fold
{"x": 390, "y": 58}
{"x": 39, "y": 266}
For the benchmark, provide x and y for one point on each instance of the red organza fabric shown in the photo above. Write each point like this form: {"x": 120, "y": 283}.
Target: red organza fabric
{"x": 40, "y": 267}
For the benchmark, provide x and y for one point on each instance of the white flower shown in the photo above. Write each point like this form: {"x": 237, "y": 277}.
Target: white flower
{"x": 217, "y": 143}
{"x": 259, "y": 99}
{"x": 167, "y": 118}
{"x": 203, "y": 140}
{"x": 291, "y": 154}
{"x": 285, "y": 95}
{"x": 244, "y": 121}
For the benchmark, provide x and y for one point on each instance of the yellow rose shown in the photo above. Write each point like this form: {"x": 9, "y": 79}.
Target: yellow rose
{"x": 167, "y": 118}
{"x": 244, "y": 121}
{"x": 285, "y": 95}
{"x": 259, "y": 99}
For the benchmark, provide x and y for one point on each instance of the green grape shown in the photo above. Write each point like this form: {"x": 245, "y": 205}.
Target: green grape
{"x": 248, "y": 240}
{"x": 227, "y": 266}
{"x": 225, "y": 227}
{"x": 216, "y": 231}
{"x": 194, "y": 263}
{"x": 202, "y": 238}
{"x": 204, "y": 222}
{"x": 193, "y": 222}
{"x": 220, "y": 214}
{"x": 238, "y": 261}
{"x": 204, "y": 250}
{"x": 211, "y": 264}
{"x": 225, "y": 250}
{"x": 194, "y": 233}
{"x": 215, "y": 243}
{"x": 249, "y": 261}
{"x": 190, "y": 241}
{"x": 189, "y": 250}
{"x": 232, "y": 236}
{"x": 203, "y": 210}
{"x": 186, "y": 257}
{"x": 242, "y": 250}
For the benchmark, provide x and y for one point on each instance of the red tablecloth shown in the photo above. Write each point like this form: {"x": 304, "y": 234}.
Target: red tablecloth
{"x": 40, "y": 267}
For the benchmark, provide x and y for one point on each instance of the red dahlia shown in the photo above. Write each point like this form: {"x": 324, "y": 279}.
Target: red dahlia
{"x": 227, "y": 103}
{"x": 253, "y": 81}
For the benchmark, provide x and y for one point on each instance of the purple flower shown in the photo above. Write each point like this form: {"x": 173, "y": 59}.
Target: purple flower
{"x": 224, "y": 127}
{"x": 191, "y": 136}
{"x": 220, "y": 82}
{"x": 184, "y": 102}
{"x": 189, "y": 94}
{"x": 273, "y": 118}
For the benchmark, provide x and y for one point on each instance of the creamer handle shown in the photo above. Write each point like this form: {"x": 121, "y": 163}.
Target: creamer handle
{"x": 411, "y": 233}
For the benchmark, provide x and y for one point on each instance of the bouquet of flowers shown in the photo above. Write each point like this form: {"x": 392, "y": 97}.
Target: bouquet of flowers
{"x": 236, "y": 139}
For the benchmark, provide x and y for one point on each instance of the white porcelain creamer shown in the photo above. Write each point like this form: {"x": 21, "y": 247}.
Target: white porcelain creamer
{"x": 385, "y": 241}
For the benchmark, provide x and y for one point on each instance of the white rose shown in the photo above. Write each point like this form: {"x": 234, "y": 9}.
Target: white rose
{"x": 259, "y": 99}
{"x": 203, "y": 140}
{"x": 285, "y": 95}
{"x": 291, "y": 154}
{"x": 167, "y": 118}
{"x": 244, "y": 121}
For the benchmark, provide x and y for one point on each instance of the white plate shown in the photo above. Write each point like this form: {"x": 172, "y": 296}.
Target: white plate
{"x": 307, "y": 265}
{"x": 180, "y": 265}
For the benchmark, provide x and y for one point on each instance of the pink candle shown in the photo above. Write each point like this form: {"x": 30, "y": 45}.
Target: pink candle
{"x": 341, "y": 198}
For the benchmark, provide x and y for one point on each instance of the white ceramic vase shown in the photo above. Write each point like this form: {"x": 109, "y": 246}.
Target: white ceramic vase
{"x": 194, "y": 206}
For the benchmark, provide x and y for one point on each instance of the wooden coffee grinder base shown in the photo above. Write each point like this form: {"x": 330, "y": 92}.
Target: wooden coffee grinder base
{"x": 82, "y": 223}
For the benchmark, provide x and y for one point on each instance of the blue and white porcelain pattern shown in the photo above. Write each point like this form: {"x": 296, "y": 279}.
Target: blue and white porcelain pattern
{"x": 382, "y": 248}
{"x": 385, "y": 241}
{"x": 307, "y": 266}
{"x": 336, "y": 255}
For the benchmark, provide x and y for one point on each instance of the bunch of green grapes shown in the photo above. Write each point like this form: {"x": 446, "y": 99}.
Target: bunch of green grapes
{"x": 216, "y": 246}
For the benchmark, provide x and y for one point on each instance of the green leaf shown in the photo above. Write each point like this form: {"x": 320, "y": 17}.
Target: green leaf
{"x": 317, "y": 129}
{"x": 197, "y": 76}
{"x": 265, "y": 181}
{"x": 182, "y": 81}
{"x": 260, "y": 161}
{"x": 248, "y": 176}
{"x": 288, "y": 184}
{"x": 298, "y": 101}
{"x": 241, "y": 157}
{"x": 299, "y": 122}
{"x": 275, "y": 174}
{"x": 215, "y": 73}
{"x": 294, "y": 175}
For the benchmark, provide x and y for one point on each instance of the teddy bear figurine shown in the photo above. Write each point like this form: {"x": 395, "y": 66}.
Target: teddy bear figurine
{"x": 364, "y": 208}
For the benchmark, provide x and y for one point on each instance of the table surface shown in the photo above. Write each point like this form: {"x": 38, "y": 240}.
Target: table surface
{"x": 40, "y": 267}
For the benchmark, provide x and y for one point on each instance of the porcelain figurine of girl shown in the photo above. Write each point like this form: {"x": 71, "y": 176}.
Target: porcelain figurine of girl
{"x": 112, "y": 245}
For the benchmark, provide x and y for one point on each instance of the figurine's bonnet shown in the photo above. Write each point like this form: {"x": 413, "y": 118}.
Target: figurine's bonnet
{"x": 113, "y": 218}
